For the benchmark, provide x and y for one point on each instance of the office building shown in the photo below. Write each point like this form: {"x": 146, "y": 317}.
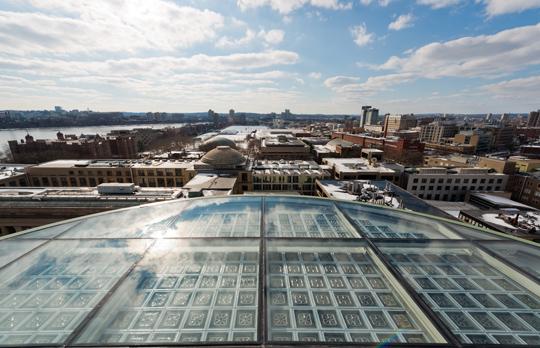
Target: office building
{"x": 312, "y": 272}
{"x": 479, "y": 140}
{"x": 436, "y": 131}
{"x": 452, "y": 184}
{"x": 534, "y": 119}
{"x": 285, "y": 147}
{"x": 394, "y": 123}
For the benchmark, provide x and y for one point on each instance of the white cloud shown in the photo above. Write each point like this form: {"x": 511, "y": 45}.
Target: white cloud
{"x": 315, "y": 75}
{"x": 272, "y": 37}
{"x": 227, "y": 42}
{"x": 437, "y": 4}
{"x": 500, "y": 7}
{"x": 527, "y": 88}
{"x": 402, "y": 22}
{"x": 361, "y": 36}
{"x": 288, "y": 6}
{"x": 58, "y": 26}
{"x": 484, "y": 56}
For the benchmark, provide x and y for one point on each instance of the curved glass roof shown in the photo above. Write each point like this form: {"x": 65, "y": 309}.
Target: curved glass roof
{"x": 260, "y": 270}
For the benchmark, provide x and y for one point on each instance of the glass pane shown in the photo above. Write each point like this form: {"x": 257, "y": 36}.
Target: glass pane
{"x": 12, "y": 249}
{"x": 229, "y": 217}
{"x": 299, "y": 217}
{"x": 376, "y": 222}
{"x": 48, "y": 232}
{"x": 47, "y": 293}
{"x": 184, "y": 291}
{"x": 336, "y": 292}
{"x": 470, "y": 292}
{"x": 146, "y": 221}
{"x": 523, "y": 255}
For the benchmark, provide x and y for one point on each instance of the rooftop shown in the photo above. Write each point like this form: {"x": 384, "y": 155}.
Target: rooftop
{"x": 115, "y": 164}
{"x": 8, "y": 170}
{"x": 357, "y": 165}
{"x": 267, "y": 270}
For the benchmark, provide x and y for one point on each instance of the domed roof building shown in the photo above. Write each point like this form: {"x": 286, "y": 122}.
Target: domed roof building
{"x": 216, "y": 141}
{"x": 223, "y": 157}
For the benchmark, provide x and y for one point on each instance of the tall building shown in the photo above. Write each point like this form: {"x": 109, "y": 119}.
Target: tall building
{"x": 534, "y": 119}
{"x": 372, "y": 117}
{"x": 363, "y": 116}
{"x": 214, "y": 116}
{"x": 394, "y": 123}
{"x": 438, "y": 130}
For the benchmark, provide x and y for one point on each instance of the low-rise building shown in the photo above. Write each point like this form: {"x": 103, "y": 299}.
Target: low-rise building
{"x": 299, "y": 176}
{"x": 452, "y": 184}
{"x": 285, "y": 147}
{"x": 23, "y": 208}
{"x": 72, "y": 147}
{"x": 81, "y": 173}
{"x": 13, "y": 175}
{"x": 525, "y": 188}
{"x": 363, "y": 169}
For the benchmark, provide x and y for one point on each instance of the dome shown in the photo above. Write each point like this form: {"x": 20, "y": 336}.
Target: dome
{"x": 223, "y": 156}
{"x": 263, "y": 270}
{"x": 216, "y": 141}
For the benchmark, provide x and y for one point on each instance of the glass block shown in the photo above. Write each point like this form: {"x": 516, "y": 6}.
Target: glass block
{"x": 48, "y": 297}
{"x": 229, "y": 217}
{"x": 374, "y": 222}
{"x": 209, "y": 306}
{"x": 324, "y": 303}
{"x": 291, "y": 217}
{"x": 486, "y": 306}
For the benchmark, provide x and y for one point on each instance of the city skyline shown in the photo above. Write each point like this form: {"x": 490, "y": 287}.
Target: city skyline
{"x": 312, "y": 56}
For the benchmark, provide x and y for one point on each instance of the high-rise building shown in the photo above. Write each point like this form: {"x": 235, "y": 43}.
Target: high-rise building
{"x": 394, "y": 123}
{"x": 363, "y": 116}
{"x": 372, "y": 117}
{"x": 436, "y": 131}
{"x": 214, "y": 116}
{"x": 534, "y": 119}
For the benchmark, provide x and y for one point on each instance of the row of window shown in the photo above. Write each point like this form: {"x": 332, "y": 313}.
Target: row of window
{"x": 457, "y": 180}
{"x": 281, "y": 179}
{"x": 456, "y": 188}
{"x": 13, "y": 183}
{"x": 140, "y": 172}
{"x": 284, "y": 187}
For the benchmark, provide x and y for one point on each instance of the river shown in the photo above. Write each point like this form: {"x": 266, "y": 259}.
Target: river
{"x": 50, "y": 132}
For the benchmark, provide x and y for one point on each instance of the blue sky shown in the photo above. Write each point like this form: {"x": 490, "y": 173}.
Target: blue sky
{"x": 310, "y": 56}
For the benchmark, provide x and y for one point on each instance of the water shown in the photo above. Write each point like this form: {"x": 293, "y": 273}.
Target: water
{"x": 50, "y": 133}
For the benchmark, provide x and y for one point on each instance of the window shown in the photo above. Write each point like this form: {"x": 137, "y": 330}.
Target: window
{"x": 481, "y": 188}
{"x": 441, "y": 180}
{"x": 457, "y": 181}
{"x": 432, "y": 180}
{"x": 456, "y": 188}
{"x": 429, "y": 196}
{"x": 448, "y": 181}
{"x": 109, "y": 173}
{"x": 414, "y": 188}
{"x": 491, "y": 181}
{"x": 92, "y": 181}
{"x": 430, "y": 188}
{"x": 439, "y": 188}
{"x": 474, "y": 181}
{"x": 424, "y": 181}
{"x": 447, "y": 188}
{"x": 72, "y": 181}
{"x": 422, "y": 188}
{"x": 473, "y": 188}
{"x": 415, "y": 180}
{"x": 83, "y": 181}
{"x": 482, "y": 181}
{"x": 118, "y": 173}
{"x": 499, "y": 181}
{"x": 465, "y": 181}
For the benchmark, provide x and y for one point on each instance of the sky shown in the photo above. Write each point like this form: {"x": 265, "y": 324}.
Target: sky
{"x": 309, "y": 56}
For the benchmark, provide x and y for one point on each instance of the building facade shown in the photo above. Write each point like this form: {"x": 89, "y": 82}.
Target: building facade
{"x": 452, "y": 184}
{"x": 84, "y": 173}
